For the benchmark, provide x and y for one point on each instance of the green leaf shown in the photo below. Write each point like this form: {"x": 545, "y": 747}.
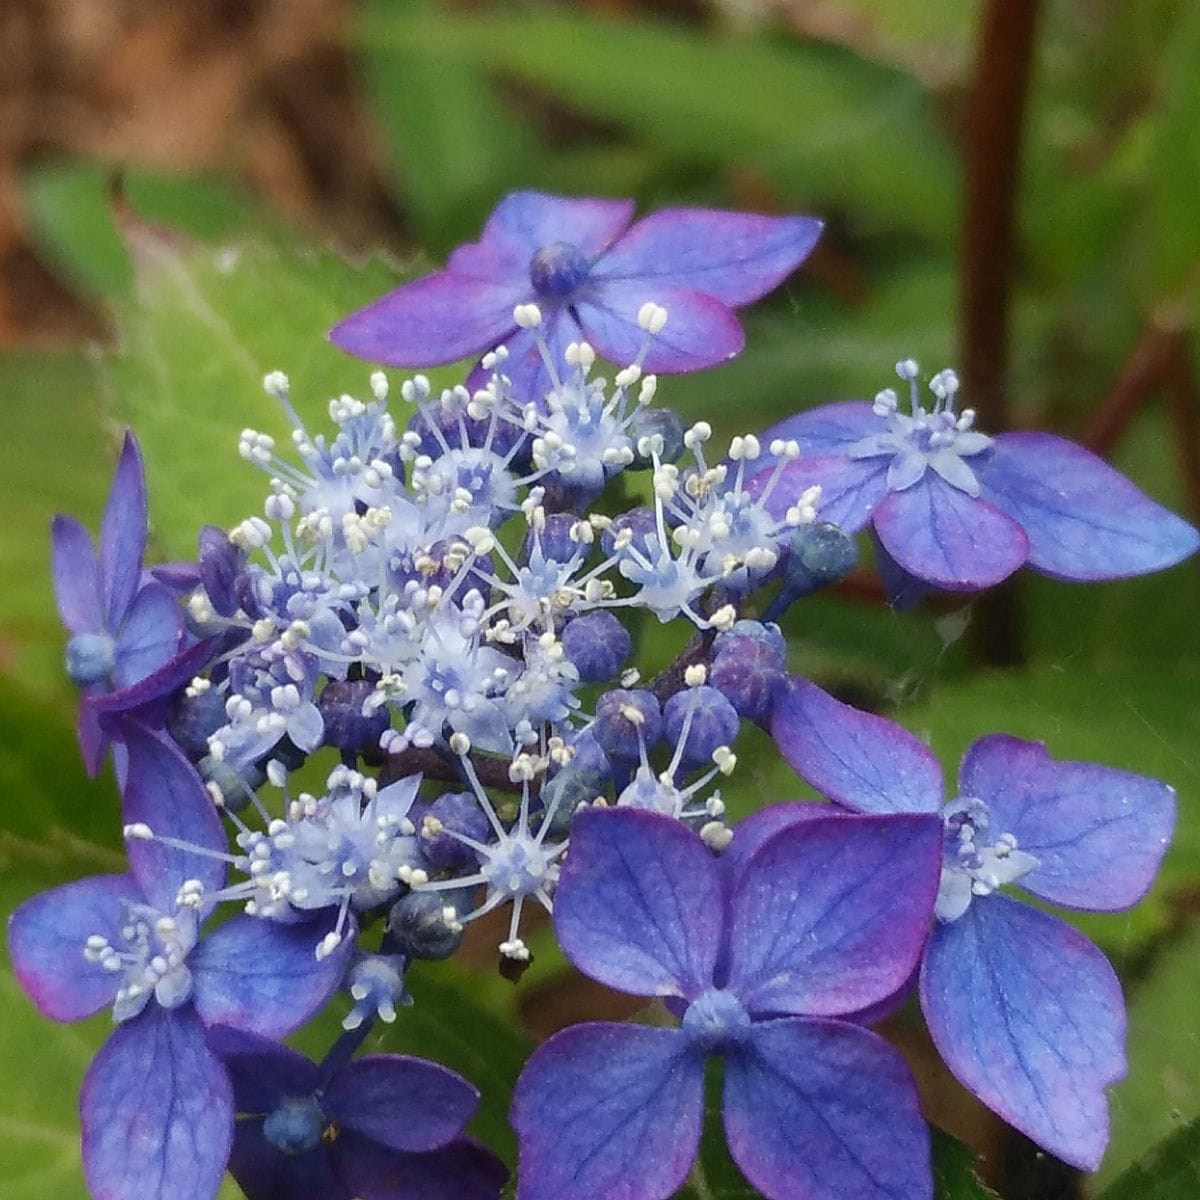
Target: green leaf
{"x": 954, "y": 1175}
{"x": 1171, "y": 1171}
{"x": 823, "y": 125}
{"x": 203, "y": 328}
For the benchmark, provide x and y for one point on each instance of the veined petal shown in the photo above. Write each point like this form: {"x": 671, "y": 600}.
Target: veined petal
{"x": 402, "y": 1102}
{"x": 1084, "y": 520}
{"x": 263, "y": 976}
{"x": 700, "y": 330}
{"x": 736, "y": 257}
{"x": 47, "y": 936}
{"x": 753, "y": 830}
{"x": 463, "y": 1170}
{"x": 164, "y": 792}
{"x": 157, "y": 1111}
{"x": 850, "y": 488}
{"x": 823, "y": 1110}
{"x": 857, "y": 759}
{"x": 1029, "y": 1016}
{"x": 436, "y": 319}
{"x": 76, "y": 577}
{"x": 639, "y": 904}
{"x": 123, "y": 534}
{"x": 829, "y": 429}
{"x": 942, "y": 535}
{"x": 608, "y": 1110}
{"x": 263, "y": 1072}
{"x": 150, "y": 635}
{"x": 829, "y": 916}
{"x": 525, "y": 222}
{"x": 1098, "y": 834}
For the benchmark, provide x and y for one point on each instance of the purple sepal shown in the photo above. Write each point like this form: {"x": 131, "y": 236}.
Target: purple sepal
{"x": 263, "y": 1173}
{"x": 76, "y": 576}
{"x": 753, "y": 830}
{"x": 639, "y": 905}
{"x": 263, "y": 1072}
{"x": 263, "y": 976}
{"x": 851, "y": 936}
{"x": 180, "y": 577}
{"x": 823, "y": 1110}
{"x": 942, "y": 535}
{"x": 405, "y": 1103}
{"x": 608, "y": 1110}
{"x": 150, "y": 636}
{"x": 462, "y": 1170}
{"x": 851, "y": 488}
{"x": 157, "y": 1111}
{"x": 1084, "y": 519}
{"x": 1098, "y": 834}
{"x": 123, "y": 534}
{"x": 47, "y": 936}
{"x": 164, "y": 792}
{"x": 221, "y": 562}
{"x": 736, "y": 257}
{"x": 859, "y": 760}
{"x": 1029, "y": 1016}
{"x": 829, "y": 429}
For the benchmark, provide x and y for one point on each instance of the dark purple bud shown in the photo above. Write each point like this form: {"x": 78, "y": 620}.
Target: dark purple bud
{"x": 192, "y": 718}
{"x": 748, "y": 672}
{"x": 425, "y": 925}
{"x": 640, "y": 520}
{"x": 341, "y": 706}
{"x": 458, "y": 431}
{"x": 702, "y": 719}
{"x": 818, "y": 555}
{"x": 624, "y": 717}
{"x": 557, "y": 270}
{"x": 664, "y": 423}
{"x": 554, "y": 538}
{"x": 221, "y": 563}
{"x": 454, "y": 812}
{"x": 598, "y": 644}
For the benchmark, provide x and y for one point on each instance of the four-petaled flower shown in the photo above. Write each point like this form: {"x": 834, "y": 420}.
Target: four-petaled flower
{"x": 760, "y": 952}
{"x": 1026, "y": 1012}
{"x": 590, "y": 273}
{"x": 957, "y": 509}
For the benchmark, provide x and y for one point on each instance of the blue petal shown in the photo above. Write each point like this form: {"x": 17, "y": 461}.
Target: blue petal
{"x": 948, "y": 538}
{"x": 402, "y": 1102}
{"x": 463, "y": 1170}
{"x": 753, "y": 830}
{"x": 76, "y": 577}
{"x": 862, "y": 761}
{"x": 736, "y": 257}
{"x": 258, "y": 975}
{"x": 1084, "y": 520}
{"x": 830, "y": 429}
{"x": 638, "y": 905}
{"x": 164, "y": 792}
{"x": 47, "y": 935}
{"x": 529, "y": 379}
{"x": 123, "y": 534}
{"x": 903, "y": 591}
{"x": 851, "y": 488}
{"x": 150, "y": 636}
{"x": 1029, "y": 1016}
{"x": 853, "y": 933}
{"x": 263, "y": 1173}
{"x": 157, "y": 1112}
{"x": 1099, "y": 834}
{"x": 609, "y": 1111}
{"x": 263, "y": 1072}
{"x": 822, "y": 1110}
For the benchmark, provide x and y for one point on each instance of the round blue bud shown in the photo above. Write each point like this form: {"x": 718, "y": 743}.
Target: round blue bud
{"x": 346, "y": 729}
{"x": 296, "y": 1126}
{"x": 748, "y": 672}
{"x": 419, "y": 927}
{"x": 714, "y": 722}
{"x": 621, "y": 716}
{"x": 192, "y": 718}
{"x": 458, "y": 812}
{"x": 458, "y": 431}
{"x": 554, "y": 539}
{"x": 557, "y": 270}
{"x": 641, "y": 521}
{"x": 818, "y": 555}
{"x": 235, "y": 783}
{"x": 665, "y": 423}
{"x": 91, "y": 658}
{"x": 768, "y": 633}
{"x": 598, "y": 644}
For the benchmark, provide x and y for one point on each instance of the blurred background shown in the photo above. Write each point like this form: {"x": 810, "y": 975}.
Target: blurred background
{"x": 192, "y": 192}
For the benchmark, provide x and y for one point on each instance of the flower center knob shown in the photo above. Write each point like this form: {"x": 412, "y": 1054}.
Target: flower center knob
{"x": 91, "y": 658}
{"x": 296, "y": 1126}
{"x": 976, "y": 859}
{"x": 715, "y": 1020}
{"x": 557, "y": 270}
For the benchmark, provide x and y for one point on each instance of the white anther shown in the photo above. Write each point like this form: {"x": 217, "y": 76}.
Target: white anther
{"x": 652, "y": 317}
{"x": 627, "y": 377}
{"x": 716, "y": 835}
{"x": 724, "y": 618}
{"x": 139, "y": 831}
{"x": 695, "y": 675}
{"x": 460, "y": 744}
{"x": 527, "y": 316}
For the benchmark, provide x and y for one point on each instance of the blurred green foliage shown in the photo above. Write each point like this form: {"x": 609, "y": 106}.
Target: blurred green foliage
{"x": 861, "y": 123}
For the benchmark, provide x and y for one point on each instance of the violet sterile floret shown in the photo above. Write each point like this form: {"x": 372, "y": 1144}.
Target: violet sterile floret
{"x": 1026, "y": 1012}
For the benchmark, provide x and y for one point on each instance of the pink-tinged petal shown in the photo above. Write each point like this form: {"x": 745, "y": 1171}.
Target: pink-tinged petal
{"x": 439, "y": 318}
{"x": 263, "y": 1072}
{"x": 263, "y": 976}
{"x": 1098, "y": 834}
{"x": 736, "y": 257}
{"x": 639, "y": 904}
{"x": 608, "y": 1110}
{"x": 76, "y": 577}
{"x": 157, "y": 1112}
{"x": 823, "y": 1110}
{"x": 123, "y": 534}
{"x": 753, "y": 830}
{"x": 851, "y": 488}
{"x": 829, "y": 428}
{"x": 1029, "y": 1016}
{"x": 700, "y": 330}
{"x": 829, "y": 916}
{"x": 150, "y": 637}
{"x": 463, "y": 1170}
{"x": 264, "y": 1173}
{"x": 862, "y": 761}
{"x": 47, "y": 936}
{"x": 903, "y": 591}
{"x": 948, "y": 538}
{"x": 163, "y": 791}
{"x": 1084, "y": 520}
{"x": 401, "y": 1102}
{"x": 526, "y": 222}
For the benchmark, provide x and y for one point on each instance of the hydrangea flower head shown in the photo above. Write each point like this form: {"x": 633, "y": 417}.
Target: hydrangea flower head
{"x": 1025, "y": 1011}
{"x": 959, "y": 510}
{"x": 589, "y": 271}
{"x": 761, "y": 952}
